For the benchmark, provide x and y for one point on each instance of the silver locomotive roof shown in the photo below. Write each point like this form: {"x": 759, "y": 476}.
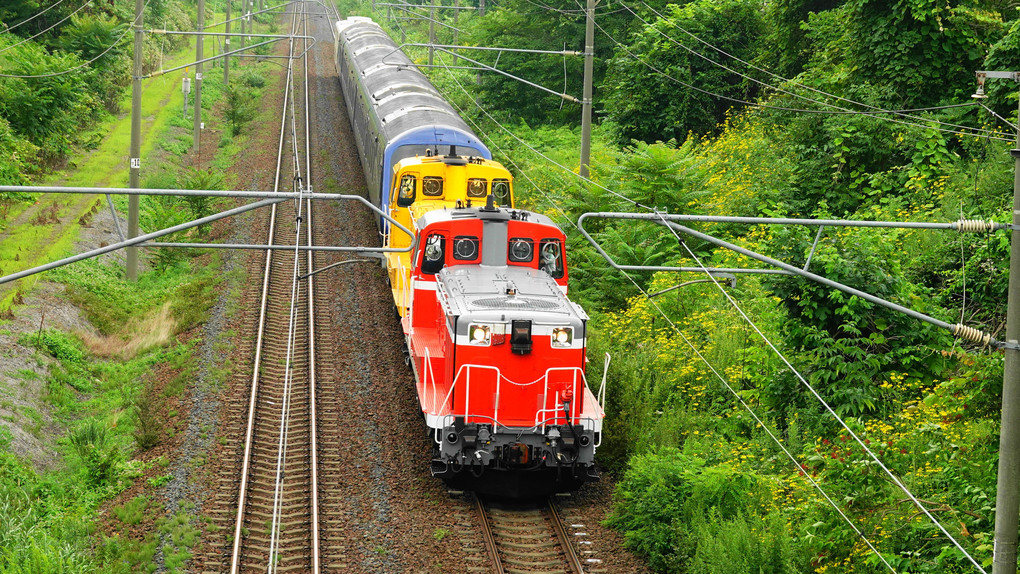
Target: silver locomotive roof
{"x": 498, "y": 294}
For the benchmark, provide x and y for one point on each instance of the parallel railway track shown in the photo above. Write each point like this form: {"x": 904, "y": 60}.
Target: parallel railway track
{"x": 276, "y": 526}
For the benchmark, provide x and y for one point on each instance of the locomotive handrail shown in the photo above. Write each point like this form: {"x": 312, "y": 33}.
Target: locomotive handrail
{"x": 579, "y": 380}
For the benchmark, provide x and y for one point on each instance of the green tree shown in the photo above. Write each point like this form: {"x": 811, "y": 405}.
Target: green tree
{"x": 648, "y": 105}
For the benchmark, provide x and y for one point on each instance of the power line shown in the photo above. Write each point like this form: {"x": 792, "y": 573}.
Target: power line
{"x": 82, "y": 65}
{"x": 875, "y": 109}
{"x": 30, "y": 18}
{"x": 66, "y": 18}
{"x": 821, "y": 400}
{"x": 781, "y": 108}
{"x": 743, "y": 403}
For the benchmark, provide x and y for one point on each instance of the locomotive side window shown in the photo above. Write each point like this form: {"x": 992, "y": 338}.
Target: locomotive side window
{"x": 521, "y": 250}
{"x": 550, "y": 257}
{"x": 465, "y": 247}
{"x": 476, "y": 187}
{"x": 435, "y": 254}
{"x": 501, "y": 189}
{"x": 432, "y": 186}
{"x": 405, "y": 195}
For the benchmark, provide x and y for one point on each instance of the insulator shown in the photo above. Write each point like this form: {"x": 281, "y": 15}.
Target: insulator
{"x": 971, "y": 334}
{"x": 975, "y": 225}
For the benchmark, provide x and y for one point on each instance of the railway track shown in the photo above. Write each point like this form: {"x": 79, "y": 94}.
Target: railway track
{"x": 523, "y": 538}
{"x": 275, "y": 523}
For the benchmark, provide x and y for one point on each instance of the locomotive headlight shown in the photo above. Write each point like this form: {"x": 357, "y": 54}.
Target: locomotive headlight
{"x": 480, "y": 335}
{"x": 562, "y": 337}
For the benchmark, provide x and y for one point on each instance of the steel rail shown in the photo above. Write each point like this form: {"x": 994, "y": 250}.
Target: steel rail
{"x": 283, "y": 443}
{"x": 576, "y": 566}
{"x": 235, "y": 561}
{"x": 490, "y": 538}
{"x": 313, "y": 432}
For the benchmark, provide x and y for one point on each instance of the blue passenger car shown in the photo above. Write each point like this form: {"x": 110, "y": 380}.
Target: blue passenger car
{"x": 395, "y": 112}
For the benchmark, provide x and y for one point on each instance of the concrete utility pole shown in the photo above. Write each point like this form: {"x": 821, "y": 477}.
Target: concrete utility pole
{"x": 244, "y": 10}
{"x": 226, "y": 48}
{"x": 136, "y": 145}
{"x": 199, "y": 56}
{"x": 589, "y": 64}
{"x": 1007, "y": 498}
{"x": 432, "y": 32}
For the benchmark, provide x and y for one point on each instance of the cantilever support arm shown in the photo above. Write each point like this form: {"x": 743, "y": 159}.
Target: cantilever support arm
{"x": 957, "y": 329}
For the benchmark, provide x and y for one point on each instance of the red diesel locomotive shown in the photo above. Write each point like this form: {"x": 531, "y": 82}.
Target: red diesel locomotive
{"x": 498, "y": 353}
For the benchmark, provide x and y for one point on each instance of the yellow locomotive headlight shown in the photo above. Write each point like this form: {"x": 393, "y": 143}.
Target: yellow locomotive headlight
{"x": 480, "y": 335}
{"x": 562, "y": 337}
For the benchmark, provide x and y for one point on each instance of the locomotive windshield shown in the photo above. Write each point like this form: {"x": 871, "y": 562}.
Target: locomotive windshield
{"x": 550, "y": 257}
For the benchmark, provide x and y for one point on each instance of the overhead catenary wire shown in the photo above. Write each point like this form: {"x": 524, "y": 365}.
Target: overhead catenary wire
{"x": 34, "y": 16}
{"x": 83, "y": 64}
{"x": 52, "y": 26}
{"x": 871, "y": 108}
{"x": 740, "y": 399}
{"x": 896, "y": 481}
{"x": 668, "y": 76}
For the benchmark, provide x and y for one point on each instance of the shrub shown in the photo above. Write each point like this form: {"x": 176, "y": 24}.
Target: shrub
{"x": 669, "y": 505}
{"x": 99, "y": 456}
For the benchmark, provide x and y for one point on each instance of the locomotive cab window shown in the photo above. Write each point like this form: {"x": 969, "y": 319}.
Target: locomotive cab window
{"x": 434, "y": 254}
{"x": 501, "y": 189}
{"x": 432, "y": 187}
{"x": 521, "y": 250}
{"x": 477, "y": 187}
{"x": 465, "y": 248}
{"x": 405, "y": 193}
{"x": 550, "y": 257}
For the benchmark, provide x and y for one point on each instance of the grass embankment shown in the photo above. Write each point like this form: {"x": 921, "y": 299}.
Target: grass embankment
{"x": 46, "y": 230}
{"x": 120, "y": 393}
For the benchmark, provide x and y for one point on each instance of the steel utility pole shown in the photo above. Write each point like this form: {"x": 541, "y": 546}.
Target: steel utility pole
{"x": 199, "y": 56}
{"x": 226, "y": 44}
{"x": 589, "y": 64}
{"x": 1007, "y": 497}
{"x": 136, "y": 144}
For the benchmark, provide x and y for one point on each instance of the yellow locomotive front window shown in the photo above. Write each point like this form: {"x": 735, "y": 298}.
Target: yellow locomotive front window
{"x": 405, "y": 196}
{"x": 432, "y": 186}
{"x": 501, "y": 189}
{"x": 476, "y": 187}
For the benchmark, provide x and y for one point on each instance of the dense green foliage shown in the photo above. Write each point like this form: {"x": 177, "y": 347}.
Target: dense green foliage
{"x": 779, "y": 110}
{"x": 64, "y": 68}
